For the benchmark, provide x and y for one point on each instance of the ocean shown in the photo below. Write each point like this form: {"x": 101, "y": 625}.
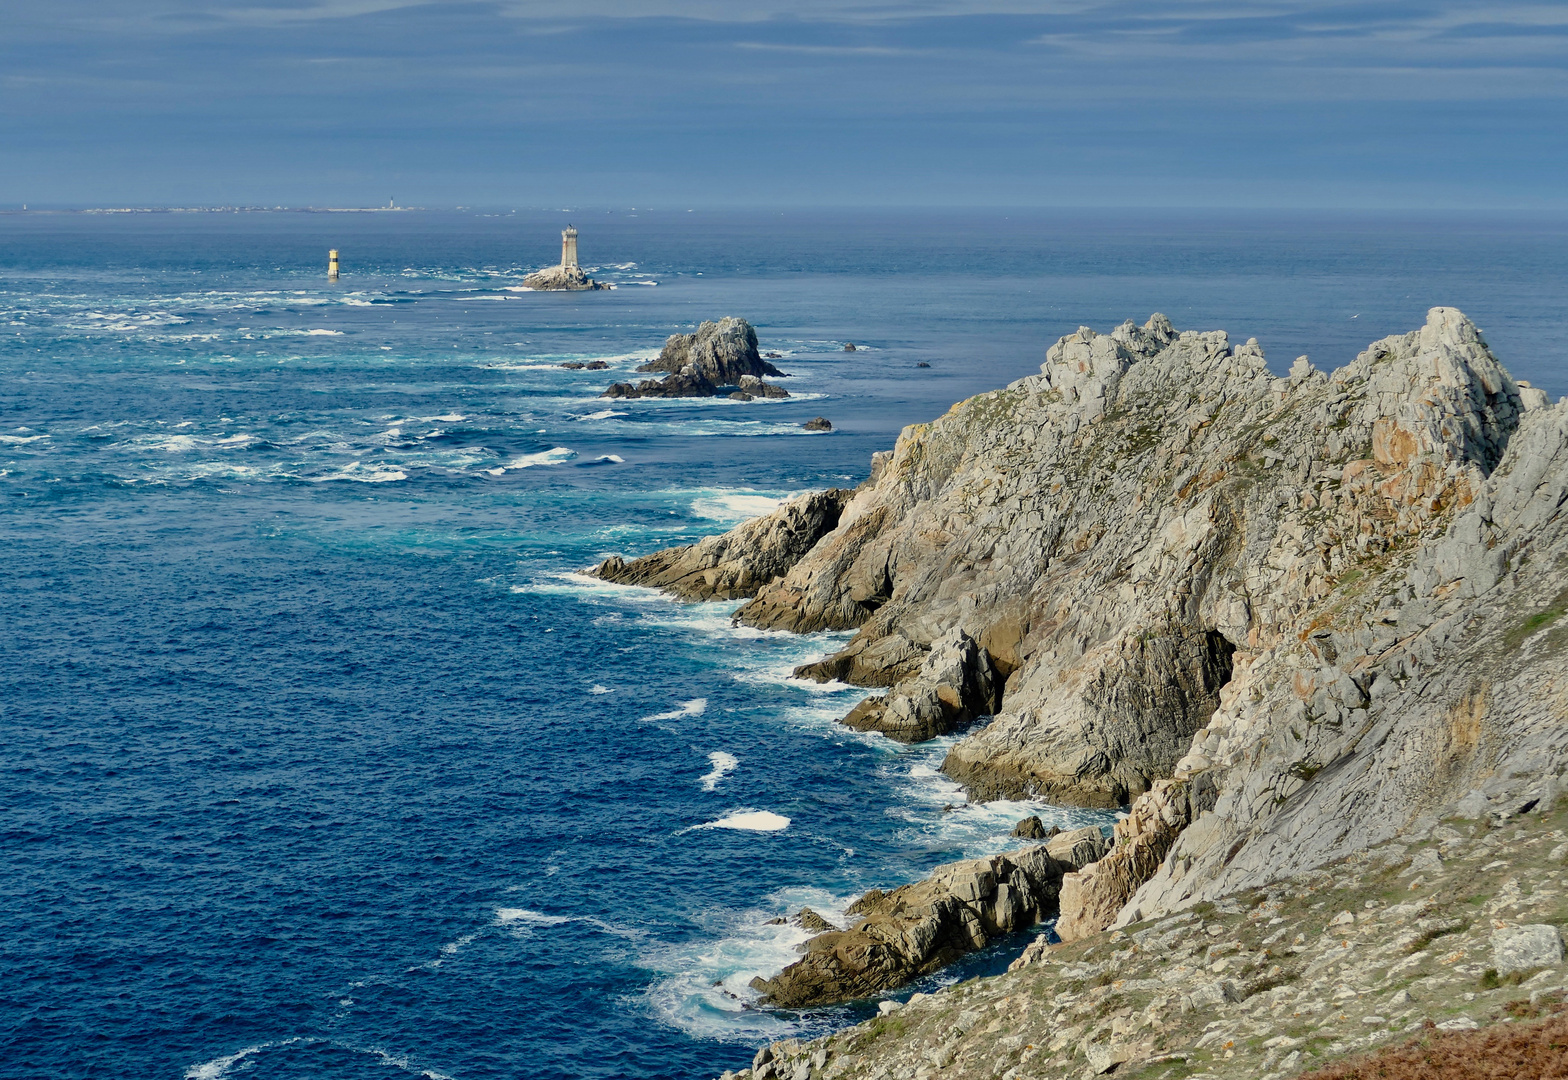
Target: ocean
{"x": 323, "y": 759}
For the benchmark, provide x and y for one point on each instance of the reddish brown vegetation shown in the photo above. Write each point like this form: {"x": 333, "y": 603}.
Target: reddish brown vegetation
{"x": 1530, "y": 1051}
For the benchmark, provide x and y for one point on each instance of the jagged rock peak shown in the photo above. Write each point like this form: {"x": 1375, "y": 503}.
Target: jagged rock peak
{"x": 719, "y": 355}
{"x": 1121, "y": 532}
{"x": 722, "y": 351}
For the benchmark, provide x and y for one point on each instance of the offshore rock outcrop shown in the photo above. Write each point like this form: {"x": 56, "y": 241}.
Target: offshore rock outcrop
{"x": 562, "y": 279}
{"x": 737, "y": 563}
{"x": 718, "y": 356}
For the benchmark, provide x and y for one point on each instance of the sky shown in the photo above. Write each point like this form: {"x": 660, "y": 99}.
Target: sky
{"x": 710, "y": 103}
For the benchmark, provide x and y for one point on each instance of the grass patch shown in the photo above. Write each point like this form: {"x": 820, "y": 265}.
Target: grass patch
{"x": 1428, "y": 936}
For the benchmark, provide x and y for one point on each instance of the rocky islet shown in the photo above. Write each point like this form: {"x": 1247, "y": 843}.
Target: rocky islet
{"x": 719, "y": 356}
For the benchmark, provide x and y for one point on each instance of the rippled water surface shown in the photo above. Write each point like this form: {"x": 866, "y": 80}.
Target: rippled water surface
{"x": 322, "y": 761}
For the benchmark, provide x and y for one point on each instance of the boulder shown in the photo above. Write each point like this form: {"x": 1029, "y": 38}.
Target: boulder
{"x": 1078, "y": 847}
{"x": 719, "y": 355}
{"x": 818, "y": 423}
{"x": 722, "y": 351}
{"x": 751, "y": 384}
{"x": 1523, "y": 948}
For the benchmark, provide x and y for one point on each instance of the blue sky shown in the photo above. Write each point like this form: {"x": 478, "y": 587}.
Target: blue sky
{"x": 1201, "y": 103}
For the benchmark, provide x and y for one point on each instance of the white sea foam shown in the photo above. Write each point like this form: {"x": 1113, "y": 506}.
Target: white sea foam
{"x": 736, "y": 505}
{"x": 523, "y": 920}
{"x": 703, "y": 984}
{"x": 694, "y": 707}
{"x": 750, "y": 821}
{"x": 323, "y": 333}
{"x": 509, "y": 916}
{"x": 374, "y": 473}
{"x": 597, "y": 689}
{"x": 723, "y": 765}
{"x": 219, "y": 1067}
{"x": 445, "y": 418}
{"x": 17, "y": 439}
{"x": 603, "y": 414}
{"x": 554, "y": 456}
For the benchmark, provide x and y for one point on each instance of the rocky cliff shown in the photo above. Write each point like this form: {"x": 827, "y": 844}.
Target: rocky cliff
{"x": 719, "y": 355}
{"x": 1283, "y": 618}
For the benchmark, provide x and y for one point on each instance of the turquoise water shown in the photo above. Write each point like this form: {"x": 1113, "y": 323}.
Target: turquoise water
{"x": 321, "y": 758}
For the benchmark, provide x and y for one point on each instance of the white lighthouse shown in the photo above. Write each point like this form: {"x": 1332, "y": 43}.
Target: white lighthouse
{"x": 568, "y": 247}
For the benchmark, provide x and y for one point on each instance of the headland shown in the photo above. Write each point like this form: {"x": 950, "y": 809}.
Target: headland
{"x": 1303, "y": 628}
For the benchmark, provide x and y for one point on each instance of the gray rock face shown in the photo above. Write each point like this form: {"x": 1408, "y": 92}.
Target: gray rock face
{"x": 919, "y": 928}
{"x": 739, "y": 562}
{"x": 1525, "y": 948}
{"x": 718, "y": 355}
{"x": 562, "y": 278}
{"x": 954, "y": 684}
{"x": 1156, "y": 531}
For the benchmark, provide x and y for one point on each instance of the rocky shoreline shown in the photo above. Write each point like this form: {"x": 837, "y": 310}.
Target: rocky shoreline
{"x": 1281, "y": 620}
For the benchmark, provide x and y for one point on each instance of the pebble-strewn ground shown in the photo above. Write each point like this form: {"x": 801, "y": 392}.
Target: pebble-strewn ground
{"x": 1454, "y": 924}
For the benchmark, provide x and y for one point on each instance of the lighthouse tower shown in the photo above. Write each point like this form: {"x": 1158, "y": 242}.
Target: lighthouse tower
{"x": 568, "y": 246}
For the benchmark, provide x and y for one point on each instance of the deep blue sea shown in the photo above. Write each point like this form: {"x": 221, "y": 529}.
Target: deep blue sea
{"x": 321, "y": 761}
